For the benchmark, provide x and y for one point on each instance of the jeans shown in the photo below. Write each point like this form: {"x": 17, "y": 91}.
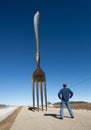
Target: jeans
{"x": 68, "y": 107}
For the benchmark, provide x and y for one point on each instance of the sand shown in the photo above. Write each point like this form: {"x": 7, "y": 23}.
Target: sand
{"x": 49, "y": 120}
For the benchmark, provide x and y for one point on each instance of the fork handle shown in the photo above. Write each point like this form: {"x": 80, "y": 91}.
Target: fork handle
{"x": 36, "y": 27}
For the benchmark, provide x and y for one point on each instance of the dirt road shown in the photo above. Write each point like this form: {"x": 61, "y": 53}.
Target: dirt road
{"x": 49, "y": 120}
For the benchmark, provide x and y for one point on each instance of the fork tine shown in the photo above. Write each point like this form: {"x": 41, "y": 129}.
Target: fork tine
{"x": 37, "y": 95}
{"x": 41, "y": 94}
{"x": 33, "y": 94}
{"x": 45, "y": 95}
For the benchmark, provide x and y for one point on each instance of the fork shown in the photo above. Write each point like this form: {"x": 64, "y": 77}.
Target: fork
{"x": 38, "y": 76}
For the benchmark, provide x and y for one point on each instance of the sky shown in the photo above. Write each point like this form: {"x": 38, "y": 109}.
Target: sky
{"x": 65, "y": 48}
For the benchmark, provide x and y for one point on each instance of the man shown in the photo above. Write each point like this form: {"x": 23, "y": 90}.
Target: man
{"x": 64, "y": 94}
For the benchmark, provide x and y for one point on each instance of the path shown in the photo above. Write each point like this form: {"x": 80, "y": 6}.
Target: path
{"x": 46, "y": 120}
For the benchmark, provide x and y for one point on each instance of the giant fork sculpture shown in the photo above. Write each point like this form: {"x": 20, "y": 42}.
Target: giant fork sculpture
{"x": 38, "y": 77}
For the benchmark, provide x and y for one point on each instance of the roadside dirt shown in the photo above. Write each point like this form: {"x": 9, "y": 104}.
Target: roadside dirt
{"x": 7, "y": 123}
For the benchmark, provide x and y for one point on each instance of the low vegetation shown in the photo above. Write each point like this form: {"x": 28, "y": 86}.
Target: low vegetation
{"x": 3, "y": 106}
{"x": 76, "y": 105}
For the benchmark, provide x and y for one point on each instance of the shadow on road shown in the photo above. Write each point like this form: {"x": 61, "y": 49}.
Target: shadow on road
{"x": 33, "y": 109}
{"x": 55, "y": 116}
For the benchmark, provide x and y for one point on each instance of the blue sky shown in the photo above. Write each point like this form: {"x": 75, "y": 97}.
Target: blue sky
{"x": 65, "y": 48}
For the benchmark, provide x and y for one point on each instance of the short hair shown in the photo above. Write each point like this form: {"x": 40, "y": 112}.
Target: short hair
{"x": 64, "y": 84}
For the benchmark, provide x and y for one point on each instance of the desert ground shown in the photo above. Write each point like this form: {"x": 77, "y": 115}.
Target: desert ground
{"x": 25, "y": 119}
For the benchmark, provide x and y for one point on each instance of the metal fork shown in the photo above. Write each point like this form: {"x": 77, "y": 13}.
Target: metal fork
{"x": 38, "y": 76}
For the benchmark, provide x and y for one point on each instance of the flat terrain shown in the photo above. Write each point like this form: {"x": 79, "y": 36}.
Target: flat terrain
{"x": 49, "y": 120}
{"x": 77, "y": 105}
{"x": 7, "y": 123}
{"x": 1, "y": 107}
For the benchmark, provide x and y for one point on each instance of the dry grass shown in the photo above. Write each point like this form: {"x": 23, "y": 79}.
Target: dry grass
{"x": 86, "y": 106}
{"x": 3, "y": 106}
{"x": 7, "y": 123}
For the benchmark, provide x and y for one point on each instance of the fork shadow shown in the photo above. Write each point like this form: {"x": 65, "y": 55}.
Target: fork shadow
{"x": 55, "y": 116}
{"x": 32, "y": 109}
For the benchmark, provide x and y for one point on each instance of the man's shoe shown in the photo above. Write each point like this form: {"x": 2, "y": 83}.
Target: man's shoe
{"x": 61, "y": 118}
{"x": 72, "y": 117}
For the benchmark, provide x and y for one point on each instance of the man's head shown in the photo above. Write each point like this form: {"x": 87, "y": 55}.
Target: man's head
{"x": 64, "y": 85}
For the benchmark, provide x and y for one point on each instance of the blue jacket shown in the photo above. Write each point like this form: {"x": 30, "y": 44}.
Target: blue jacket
{"x": 64, "y": 94}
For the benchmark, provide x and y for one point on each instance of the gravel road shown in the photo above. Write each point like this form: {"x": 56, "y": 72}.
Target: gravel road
{"x": 49, "y": 120}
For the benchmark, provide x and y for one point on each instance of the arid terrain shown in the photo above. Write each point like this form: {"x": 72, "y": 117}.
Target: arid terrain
{"x": 77, "y": 105}
{"x": 25, "y": 119}
{"x": 3, "y": 106}
{"x": 7, "y": 123}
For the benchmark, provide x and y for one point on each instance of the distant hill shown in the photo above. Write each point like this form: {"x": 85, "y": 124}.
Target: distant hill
{"x": 76, "y": 105}
{"x": 72, "y": 102}
{"x": 3, "y": 106}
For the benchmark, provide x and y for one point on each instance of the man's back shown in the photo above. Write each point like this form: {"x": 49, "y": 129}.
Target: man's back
{"x": 65, "y": 94}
